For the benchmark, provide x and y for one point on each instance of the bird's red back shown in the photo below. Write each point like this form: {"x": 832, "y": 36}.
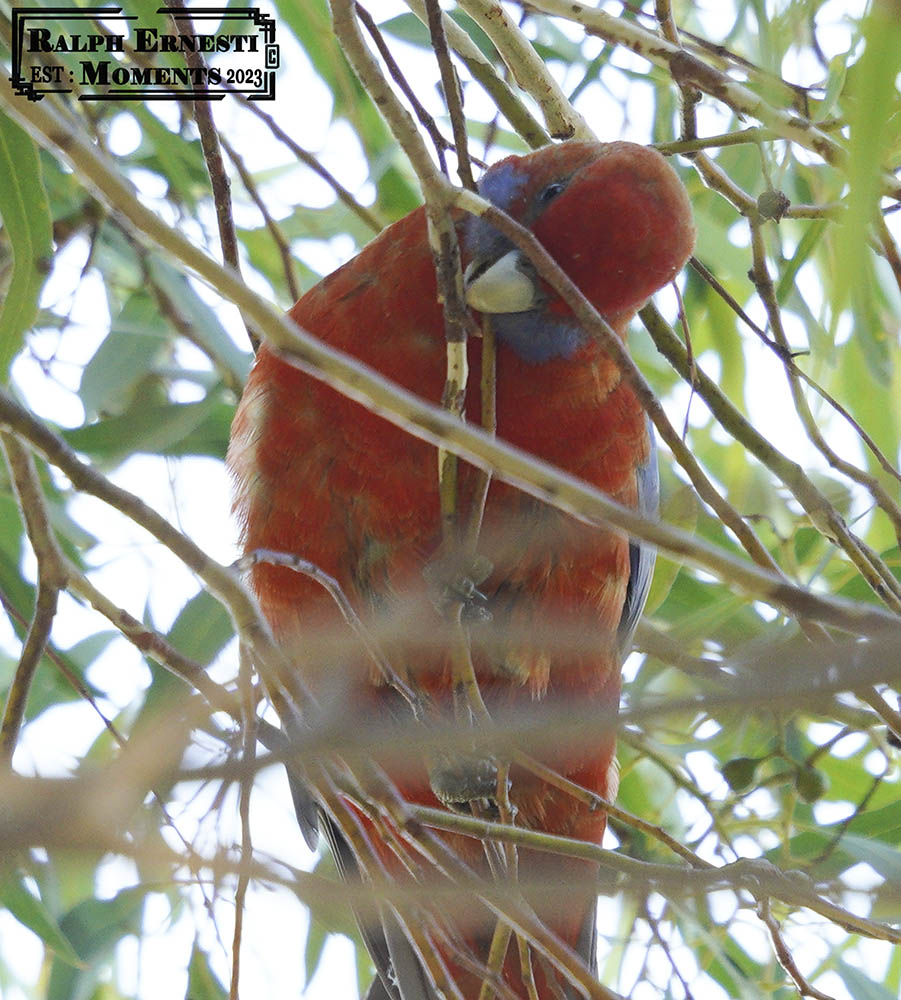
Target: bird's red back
{"x": 321, "y": 477}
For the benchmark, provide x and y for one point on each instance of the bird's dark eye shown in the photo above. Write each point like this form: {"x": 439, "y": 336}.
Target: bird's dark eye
{"x": 551, "y": 192}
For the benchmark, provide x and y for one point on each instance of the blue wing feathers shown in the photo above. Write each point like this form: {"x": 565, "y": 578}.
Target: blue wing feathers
{"x": 641, "y": 555}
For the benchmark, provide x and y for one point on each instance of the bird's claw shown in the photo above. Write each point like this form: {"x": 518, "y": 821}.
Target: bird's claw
{"x": 455, "y": 582}
{"x": 458, "y": 780}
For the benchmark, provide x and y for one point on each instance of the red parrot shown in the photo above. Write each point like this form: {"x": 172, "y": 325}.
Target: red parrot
{"x": 320, "y": 477}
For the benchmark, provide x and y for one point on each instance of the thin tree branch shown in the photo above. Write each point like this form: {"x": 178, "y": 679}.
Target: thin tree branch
{"x": 309, "y": 160}
{"x": 427, "y": 421}
{"x": 783, "y": 953}
{"x": 278, "y": 237}
{"x": 508, "y": 103}
{"x": 212, "y": 153}
{"x": 453, "y": 96}
{"x": 686, "y": 68}
{"x": 425, "y": 119}
{"x": 528, "y": 69}
{"x": 52, "y": 577}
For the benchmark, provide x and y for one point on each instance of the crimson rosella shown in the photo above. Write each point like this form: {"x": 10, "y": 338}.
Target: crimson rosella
{"x": 319, "y": 476}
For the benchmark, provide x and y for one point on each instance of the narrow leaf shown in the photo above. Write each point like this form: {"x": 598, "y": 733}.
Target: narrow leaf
{"x": 25, "y": 213}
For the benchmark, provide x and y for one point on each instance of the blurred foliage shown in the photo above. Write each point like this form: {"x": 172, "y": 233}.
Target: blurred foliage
{"x": 813, "y": 788}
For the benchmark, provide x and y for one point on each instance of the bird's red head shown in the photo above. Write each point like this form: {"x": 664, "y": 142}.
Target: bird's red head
{"x": 615, "y": 216}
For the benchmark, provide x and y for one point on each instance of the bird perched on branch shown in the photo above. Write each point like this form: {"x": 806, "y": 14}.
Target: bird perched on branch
{"x": 549, "y": 603}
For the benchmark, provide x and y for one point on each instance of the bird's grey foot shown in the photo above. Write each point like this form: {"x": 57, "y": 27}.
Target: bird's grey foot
{"x": 458, "y": 780}
{"x": 454, "y": 580}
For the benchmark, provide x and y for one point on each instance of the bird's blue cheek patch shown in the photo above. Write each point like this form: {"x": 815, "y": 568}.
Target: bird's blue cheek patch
{"x": 502, "y": 185}
{"x": 537, "y": 337}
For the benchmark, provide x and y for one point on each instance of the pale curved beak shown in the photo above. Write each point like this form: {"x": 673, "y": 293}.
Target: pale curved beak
{"x": 506, "y": 286}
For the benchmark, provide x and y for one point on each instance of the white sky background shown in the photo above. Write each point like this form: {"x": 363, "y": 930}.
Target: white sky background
{"x": 194, "y": 494}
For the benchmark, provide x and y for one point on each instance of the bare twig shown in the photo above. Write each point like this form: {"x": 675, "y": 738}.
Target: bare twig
{"x": 248, "y": 748}
{"x": 783, "y": 952}
{"x": 453, "y": 96}
{"x": 217, "y": 578}
{"x": 52, "y": 577}
{"x": 686, "y": 68}
{"x": 759, "y": 878}
{"x": 212, "y": 153}
{"x": 508, "y": 103}
{"x": 278, "y": 237}
{"x": 309, "y": 160}
{"x": 528, "y": 69}
{"x": 425, "y": 119}
{"x": 827, "y": 519}
{"x": 787, "y": 357}
{"x": 333, "y": 588}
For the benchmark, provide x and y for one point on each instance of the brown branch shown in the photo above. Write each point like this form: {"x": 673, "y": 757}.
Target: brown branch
{"x": 520, "y": 118}
{"x": 212, "y": 153}
{"x": 172, "y": 313}
{"x": 597, "y": 327}
{"x": 759, "y": 878}
{"x": 453, "y": 96}
{"x": 514, "y": 910}
{"x": 152, "y": 645}
{"x": 594, "y": 801}
{"x": 823, "y": 514}
{"x": 836, "y": 838}
{"x": 787, "y": 358}
{"x": 85, "y": 694}
{"x": 871, "y": 567}
{"x": 654, "y": 925}
{"x": 333, "y": 589}
{"x": 218, "y": 579}
{"x": 446, "y": 252}
{"x": 248, "y": 747}
{"x": 52, "y": 577}
{"x": 528, "y": 69}
{"x": 547, "y": 726}
{"x": 890, "y": 716}
{"x": 467, "y": 697}
{"x": 32, "y": 651}
{"x": 783, "y": 953}
{"x": 818, "y": 508}
{"x": 889, "y": 248}
{"x": 425, "y": 119}
{"x": 309, "y": 160}
{"x": 686, "y": 68}
{"x": 689, "y": 93}
{"x": 83, "y": 813}
{"x": 488, "y": 417}
{"x": 723, "y": 56}
{"x": 645, "y": 747}
{"x": 275, "y": 231}
{"x": 332, "y": 790}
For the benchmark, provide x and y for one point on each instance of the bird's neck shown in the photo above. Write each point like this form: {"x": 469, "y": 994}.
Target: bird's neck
{"x": 547, "y": 335}
{"x": 537, "y": 337}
